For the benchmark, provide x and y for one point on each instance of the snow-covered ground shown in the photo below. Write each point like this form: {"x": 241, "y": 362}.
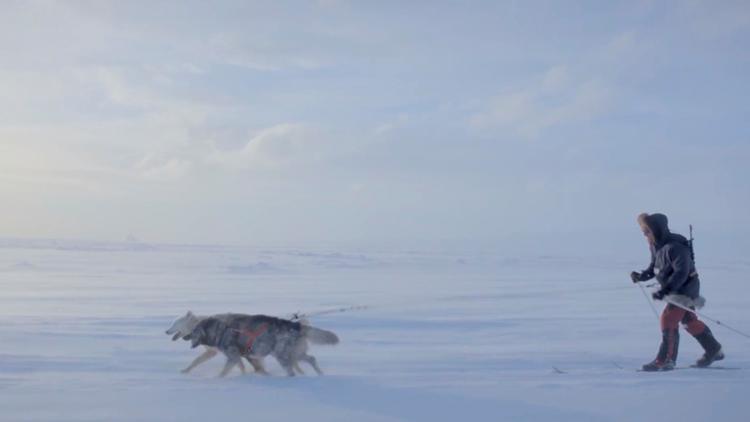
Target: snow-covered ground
{"x": 448, "y": 336}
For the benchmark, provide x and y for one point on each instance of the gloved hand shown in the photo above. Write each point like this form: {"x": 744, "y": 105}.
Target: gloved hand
{"x": 660, "y": 294}
{"x": 636, "y": 276}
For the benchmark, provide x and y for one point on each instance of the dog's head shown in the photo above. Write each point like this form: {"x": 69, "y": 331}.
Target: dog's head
{"x": 205, "y": 332}
{"x": 182, "y": 325}
{"x": 196, "y": 337}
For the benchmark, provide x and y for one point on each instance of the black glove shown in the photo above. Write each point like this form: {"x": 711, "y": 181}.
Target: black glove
{"x": 660, "y": 294}
{"x": 636, "y": 276}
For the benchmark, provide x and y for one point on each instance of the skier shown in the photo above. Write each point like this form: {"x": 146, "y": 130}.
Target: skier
{"x": 672, "y": 265}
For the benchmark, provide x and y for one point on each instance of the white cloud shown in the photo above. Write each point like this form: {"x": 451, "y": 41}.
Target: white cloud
{"x": 240, "y": 49}
{"x": 557, "y": 77}
{"x": 152, "y": 168}
{"x": 554, "y": 98}
{"x": 273, "y": 147}
{"x": 394, "y": 124}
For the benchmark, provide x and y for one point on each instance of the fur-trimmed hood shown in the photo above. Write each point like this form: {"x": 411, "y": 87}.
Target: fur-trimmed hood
{"x": 659, "y": 225}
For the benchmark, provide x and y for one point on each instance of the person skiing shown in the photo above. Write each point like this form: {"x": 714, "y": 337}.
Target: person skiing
{"x": 672, "y": 265}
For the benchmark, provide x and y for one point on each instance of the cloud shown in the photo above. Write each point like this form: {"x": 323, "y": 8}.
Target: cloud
{"x": 273, "y": 147}
{"x": 241, "y": 50}
{"x": 172, "y": 169}
{"x": 392, "y": 125}
{"x": 556, "y": 97}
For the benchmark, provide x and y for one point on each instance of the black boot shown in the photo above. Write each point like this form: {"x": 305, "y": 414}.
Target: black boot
{"x": 712, "y": 349}
{"x": 656, "y": 365}
{"x": 665, "y": 361}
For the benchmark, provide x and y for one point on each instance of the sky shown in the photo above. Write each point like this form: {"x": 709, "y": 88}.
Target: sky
{"x": 419, "y": 123}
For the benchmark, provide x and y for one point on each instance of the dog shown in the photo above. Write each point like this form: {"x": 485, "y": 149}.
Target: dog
{"x": 256, "y": 336}
{"x": 185, "y": 324}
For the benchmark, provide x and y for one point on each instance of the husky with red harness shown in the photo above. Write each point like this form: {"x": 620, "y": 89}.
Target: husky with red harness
{"x": 185, "y": 324}
{"x": 674, "y": 268}
{"x": 256, "y": 336}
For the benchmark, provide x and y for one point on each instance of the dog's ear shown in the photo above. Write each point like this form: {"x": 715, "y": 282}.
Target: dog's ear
{"x": 189, "y": 313}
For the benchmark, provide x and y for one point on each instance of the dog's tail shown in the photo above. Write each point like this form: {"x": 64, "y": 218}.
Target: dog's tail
{"x": 318, "y": 336}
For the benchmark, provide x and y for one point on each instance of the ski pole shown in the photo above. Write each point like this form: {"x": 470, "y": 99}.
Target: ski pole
{"x": 704, "y": 316}
{"x": 648, "y": 299}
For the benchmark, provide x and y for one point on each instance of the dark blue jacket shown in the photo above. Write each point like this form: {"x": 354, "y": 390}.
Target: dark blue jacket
{"x": 671, "y": 260}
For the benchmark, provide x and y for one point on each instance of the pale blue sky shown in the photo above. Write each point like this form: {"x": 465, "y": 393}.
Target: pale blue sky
{"x": 415, "y": 123}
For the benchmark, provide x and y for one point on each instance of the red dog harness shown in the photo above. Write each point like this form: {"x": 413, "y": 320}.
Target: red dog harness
{"x": 253, "y": 335}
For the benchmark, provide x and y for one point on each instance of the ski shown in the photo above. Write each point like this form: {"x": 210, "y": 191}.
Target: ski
{"x": 680, "y": 368}
{"x": 720, "y": 368}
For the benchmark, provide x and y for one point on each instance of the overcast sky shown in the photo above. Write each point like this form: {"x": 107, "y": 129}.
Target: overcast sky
{"x": 353, "y": 122}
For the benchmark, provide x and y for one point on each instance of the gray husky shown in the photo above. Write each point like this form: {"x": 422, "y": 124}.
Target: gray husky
{"x": 185, "y": 324}
{"x": 256, "y": 336}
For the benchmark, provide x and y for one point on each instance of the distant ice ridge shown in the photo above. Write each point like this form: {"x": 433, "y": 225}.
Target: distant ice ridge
{"x": 74, "y": 245}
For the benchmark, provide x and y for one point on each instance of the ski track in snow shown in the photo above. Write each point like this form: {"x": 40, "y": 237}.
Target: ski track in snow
{"x": 447, "y": 336}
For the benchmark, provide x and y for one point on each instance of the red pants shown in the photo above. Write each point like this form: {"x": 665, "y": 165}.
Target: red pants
{"x": 673, "y": 315}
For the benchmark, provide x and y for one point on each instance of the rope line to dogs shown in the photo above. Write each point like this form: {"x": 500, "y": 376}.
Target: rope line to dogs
{"x": 704, "y": 316}
{"x": 297, "y": 316}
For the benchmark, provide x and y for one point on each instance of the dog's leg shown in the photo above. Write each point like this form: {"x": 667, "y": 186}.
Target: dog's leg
{"x": 257, "y": 365}
{"x": 228, "y": 367}
{"x": 297, "y": 354}
{"x": 286, "y": 363}
{"x": 241, "y": 365}
{"x": 312, "y": 361}
{"x": 208, "y": 354}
